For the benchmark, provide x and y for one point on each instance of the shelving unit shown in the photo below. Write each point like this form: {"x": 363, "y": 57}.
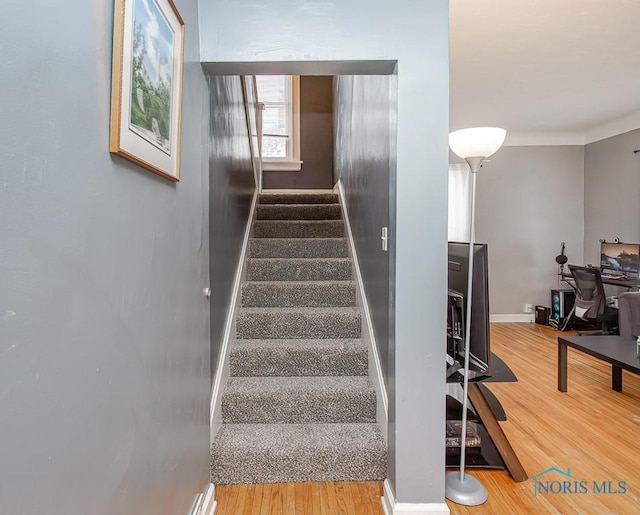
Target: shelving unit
{"x": 485, "y": 410}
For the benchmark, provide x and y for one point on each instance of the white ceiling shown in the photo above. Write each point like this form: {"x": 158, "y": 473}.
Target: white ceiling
{"x": 548, "y": 71}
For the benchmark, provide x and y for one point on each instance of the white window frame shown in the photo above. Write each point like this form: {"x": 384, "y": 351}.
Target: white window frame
{"x": 290, "y": 163}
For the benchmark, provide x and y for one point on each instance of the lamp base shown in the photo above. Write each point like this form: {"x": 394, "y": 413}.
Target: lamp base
{"x": 469, "y": 492}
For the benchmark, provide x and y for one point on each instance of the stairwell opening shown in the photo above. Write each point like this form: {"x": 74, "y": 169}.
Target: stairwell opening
{"x": 362, "y": 178}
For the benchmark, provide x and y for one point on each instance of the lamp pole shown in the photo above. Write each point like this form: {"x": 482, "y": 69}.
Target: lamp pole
{"x": 467, "y": 335}
{"x": 474, "y": 146}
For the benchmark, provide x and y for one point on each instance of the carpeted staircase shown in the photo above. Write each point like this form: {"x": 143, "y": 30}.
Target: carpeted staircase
{"x": 298, "y": 405}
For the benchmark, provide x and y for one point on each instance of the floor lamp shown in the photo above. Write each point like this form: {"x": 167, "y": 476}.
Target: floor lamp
{"x": 474, "y": 146}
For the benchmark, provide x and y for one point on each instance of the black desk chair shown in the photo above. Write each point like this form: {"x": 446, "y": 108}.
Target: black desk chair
{"x": 591, "y": 301}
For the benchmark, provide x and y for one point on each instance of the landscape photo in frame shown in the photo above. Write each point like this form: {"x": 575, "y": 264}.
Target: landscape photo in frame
{"x": 151, "y": 74}
{"x": 147, "y": 84}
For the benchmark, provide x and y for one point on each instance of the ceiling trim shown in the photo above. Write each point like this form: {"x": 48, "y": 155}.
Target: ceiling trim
{"x": 543, "y": 139}
{"x": 619, "y": 126}
{"x": 608, "y": 130}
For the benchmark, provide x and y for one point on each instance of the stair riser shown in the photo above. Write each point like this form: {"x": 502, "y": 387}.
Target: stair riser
{"x": 348, "y": 466}
{"x": 298, "y": 325}
{"x": 298, "y": 212}
{"x": 299, "y": 198}
{"x": 298, "y": 248}
{"x": 274, "y": 361}
{"x": 295, "y": 229}
{"x": 299, "y": 408}
{"x": 292, "y": 294}
{"x": 299, "y": 270}
{"x": 296, "y": 453}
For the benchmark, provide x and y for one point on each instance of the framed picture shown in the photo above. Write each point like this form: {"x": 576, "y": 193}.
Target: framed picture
{"x": 146, "y": 85}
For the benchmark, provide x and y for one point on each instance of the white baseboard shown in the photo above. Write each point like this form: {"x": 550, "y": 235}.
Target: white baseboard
{"x": 209, "y": 504}
{"x": 375, "y": 368}
{"x": 524, "y": 317}
{"x": 391, "y": 507}
{"x": 222, "y": 370}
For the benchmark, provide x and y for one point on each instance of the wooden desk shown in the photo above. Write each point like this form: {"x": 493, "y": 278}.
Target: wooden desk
{"x": 617, "y": 350}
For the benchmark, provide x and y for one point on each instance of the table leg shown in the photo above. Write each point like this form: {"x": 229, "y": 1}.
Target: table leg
{"x": 562, "y": 366}
{"x": 616, "y": 378}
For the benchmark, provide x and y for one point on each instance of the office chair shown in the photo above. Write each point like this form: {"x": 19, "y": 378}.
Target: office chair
{"x": 629, "y": 314}
{"x": 591, "y": 301}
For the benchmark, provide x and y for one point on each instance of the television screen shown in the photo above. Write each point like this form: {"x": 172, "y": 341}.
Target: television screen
{"x": 458, "y": 272}
{"x": 620, "y": 257}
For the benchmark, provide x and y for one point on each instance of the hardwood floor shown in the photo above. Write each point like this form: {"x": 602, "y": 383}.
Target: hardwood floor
{"x": 591, "y": 429}
{"x": 344, "y": 497}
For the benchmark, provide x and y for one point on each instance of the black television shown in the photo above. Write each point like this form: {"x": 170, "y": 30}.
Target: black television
{"x": 479, "y": 341}
{"x": 620, "y": 257}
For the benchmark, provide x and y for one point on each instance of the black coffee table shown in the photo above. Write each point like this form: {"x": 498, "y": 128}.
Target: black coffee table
{"x": 619, "y": 351}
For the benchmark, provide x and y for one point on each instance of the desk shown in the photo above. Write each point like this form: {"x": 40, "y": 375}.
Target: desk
{"x": 623, "y": 283}
{"x": 629, "y": 284}
{"x": 617, "y": 350}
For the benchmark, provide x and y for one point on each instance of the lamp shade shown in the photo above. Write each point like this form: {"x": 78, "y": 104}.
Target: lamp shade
{"x": 477, "y": 141}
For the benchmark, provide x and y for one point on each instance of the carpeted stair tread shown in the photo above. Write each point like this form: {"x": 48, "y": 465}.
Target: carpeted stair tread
{"x": 255, "y": 323}
{"x": 298, "y": 229}
{"x": 299, "y": 247}
{"x": 299, "y": 198}
{"x": 281, "y": 357}
{"x": 298, "y": 293}
{"x": 298, "y": 400}
{"x": 274, "y": 453}
{"x": 299, "y": 269}
{"x": 298, "y": 212}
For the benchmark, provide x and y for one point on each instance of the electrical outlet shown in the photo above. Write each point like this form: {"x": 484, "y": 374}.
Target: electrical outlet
{"x": 528, "y": 308}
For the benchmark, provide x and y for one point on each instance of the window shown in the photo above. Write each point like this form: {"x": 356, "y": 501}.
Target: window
{"x": 459, "y": 202}
{"x": 280, "y": 98}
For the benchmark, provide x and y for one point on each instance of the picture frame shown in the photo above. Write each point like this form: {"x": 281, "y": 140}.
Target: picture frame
{"x": 146, "y": 85}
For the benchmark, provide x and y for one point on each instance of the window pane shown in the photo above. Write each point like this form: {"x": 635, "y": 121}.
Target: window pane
{"x": 275, "y": 92}
{"x": 272, "y": 88}
{"x": 274, "y": 120}
{"x": 274, "y": 147}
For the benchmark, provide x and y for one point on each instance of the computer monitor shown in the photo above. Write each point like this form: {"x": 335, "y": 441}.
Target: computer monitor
{"x": 458, "y": 272}
{"x": 620, "y": 257}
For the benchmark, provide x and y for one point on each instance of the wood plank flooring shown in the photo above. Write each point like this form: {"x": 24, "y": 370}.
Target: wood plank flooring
{"x": 591, "y": 430}
{"x": 344, "y": 497}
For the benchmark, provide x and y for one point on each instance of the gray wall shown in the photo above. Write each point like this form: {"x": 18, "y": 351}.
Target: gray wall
{"x": 529, "y": 200}
{"x": 104, "y": 332}
{"x": 231, "y": 185}
{"x": 316, "y": 139}
{"x": 612, "y": 192}
{"x": 248, "y": 37}
{"x": 364, "y": 117}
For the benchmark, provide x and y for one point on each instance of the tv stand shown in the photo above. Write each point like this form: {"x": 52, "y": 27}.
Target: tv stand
{"x": 496, "y": 450}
